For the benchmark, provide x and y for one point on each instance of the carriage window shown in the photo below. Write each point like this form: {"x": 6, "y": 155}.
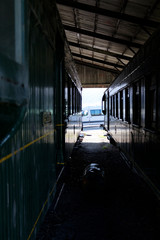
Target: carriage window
{"x": 121, "y": 105}
{"x": 70, "y": 98}
{"x": 78, "y": 102}
{"x": 117, "y": 105}
{"x": 11, "y": 29}
{"x": 73, "y": 98}
{"x": 151, "y": 104}
{"x": 113, "y": 97}
{"x": 66, "y": 99}
{"x": 136, "y": 103}
{"x": 127, "y": 105}
{"x": 111, "y": 106}
{"x": 152, "y": 108}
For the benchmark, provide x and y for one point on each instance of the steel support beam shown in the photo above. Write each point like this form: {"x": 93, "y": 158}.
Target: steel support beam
{"x": 98, "y": 60}
{"x": 101, "y": 36}
{"x": 105, "y": 12}
{"x": 115, "y": 72}
{"x": 118, "y": 56}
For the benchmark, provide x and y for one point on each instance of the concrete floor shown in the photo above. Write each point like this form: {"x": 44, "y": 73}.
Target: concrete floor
{"x": 121, "y": 208}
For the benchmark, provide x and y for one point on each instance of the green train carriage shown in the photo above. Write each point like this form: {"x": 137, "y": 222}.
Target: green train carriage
{"x": 37, "y": 131}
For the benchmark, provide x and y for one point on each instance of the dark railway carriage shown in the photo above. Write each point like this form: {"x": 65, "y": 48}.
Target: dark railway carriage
{"x": 39, "y": 112}
{"x": 132, "y": 112}
{"x": 73, "y": 105}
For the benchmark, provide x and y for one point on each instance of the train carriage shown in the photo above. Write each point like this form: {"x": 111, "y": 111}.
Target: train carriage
{"x": 132, "y": 113}
{"x": 35, "y": 113}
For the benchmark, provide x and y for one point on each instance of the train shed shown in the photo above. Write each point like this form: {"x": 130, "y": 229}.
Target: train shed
{"x": 104, "y": 36}
{"x": 60, "y": 180}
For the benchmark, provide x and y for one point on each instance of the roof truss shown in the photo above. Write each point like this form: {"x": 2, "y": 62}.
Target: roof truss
{"x": 101, "y": 36}
{"x": 106, "y": 35}
{"x": 105, "y": 12}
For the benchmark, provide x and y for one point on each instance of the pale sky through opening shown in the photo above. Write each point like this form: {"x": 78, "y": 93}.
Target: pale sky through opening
{"x": 92, "y": 96}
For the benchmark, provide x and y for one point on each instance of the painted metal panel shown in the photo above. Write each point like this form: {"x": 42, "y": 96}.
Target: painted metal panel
{"x": 32, "y": 94}
{"x": 28, "y": 157}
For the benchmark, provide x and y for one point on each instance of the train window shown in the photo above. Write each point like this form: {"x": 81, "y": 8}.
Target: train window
{"x": 121, "y": 105}
{"x": 80, "y": 103}
{"x": 70, "y": 97}
{"x": 66, "y": 99}
{"x": 78, "y": 106}
{"x": 113, "y": 101}
{"x": 111, "y": 105}
{"x": 152, "y": 107}
{"x": 137, "y": 103}
{"x": 11, "y": 29}
{"x": 117, "y": 105}
{"x": 73, "y": 99}
{"x": 127, "y": 105}
{"x": 75, "y": 109}
{"x": 77, "y": 101}
{"x": 151, "y": 104}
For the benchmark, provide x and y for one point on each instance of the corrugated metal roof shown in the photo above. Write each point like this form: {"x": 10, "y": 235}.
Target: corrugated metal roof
{"x": 104, "y": 35}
